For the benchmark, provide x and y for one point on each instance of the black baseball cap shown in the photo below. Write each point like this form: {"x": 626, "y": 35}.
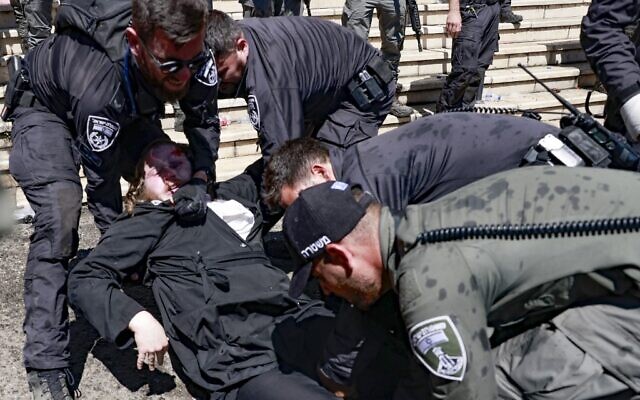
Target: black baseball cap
{"x": 320, "y": 215}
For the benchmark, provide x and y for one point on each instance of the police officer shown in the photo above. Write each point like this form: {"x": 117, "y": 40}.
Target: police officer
{"x": 615, "y": 59}
{"x": 33, "y": 18}
{"x": 532, "y": 253}
{"x": 473, "y": 25}
{"x": 357, "y": 15}
{"x": 302, "y": 77}
{"x": 96, "y": 100}
{"x": 415, "y": 163}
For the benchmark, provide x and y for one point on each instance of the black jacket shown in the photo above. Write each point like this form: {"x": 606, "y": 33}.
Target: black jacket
{"x": 292, "y": 80}
{"x": 219, "y": 296}
{"x": 74, "y": 78}
{"x": 613, "y": 56}
{"x": 425, "y": 159}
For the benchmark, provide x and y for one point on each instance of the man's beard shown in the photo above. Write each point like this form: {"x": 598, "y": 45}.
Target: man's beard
{"x": 158, "y": 86}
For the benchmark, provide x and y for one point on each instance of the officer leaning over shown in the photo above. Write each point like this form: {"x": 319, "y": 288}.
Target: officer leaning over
{"x": 532, "y": 253}
{"x": 614, "y": 57}
{"x": 96, "y": 99}
{"x": 413, "y": 164}
{"x": 302, "y": 77}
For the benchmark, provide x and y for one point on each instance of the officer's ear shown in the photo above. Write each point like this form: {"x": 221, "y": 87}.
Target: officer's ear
{"x": 242, "y": 47}
{"x": 134, "y": 41}
{"x": 323, "y": 170}
{"x": 338, "y": 254}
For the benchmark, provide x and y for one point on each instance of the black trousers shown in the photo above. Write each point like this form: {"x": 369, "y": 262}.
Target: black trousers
{"x": 33, "y": 18}
{"x": 472, "y": 54}
{"x": 45, "y": 161}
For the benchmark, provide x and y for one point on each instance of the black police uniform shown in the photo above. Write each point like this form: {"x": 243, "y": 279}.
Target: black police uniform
{"x": 296, "y": 82}
{"x": 472, "y": 53}
{"x": 415, "y": 164}
{"x": 432, "y": 156}
{"x": 220, "y": 300}
{"x": 82, "y": 108}
{"x": 612, "y": 54}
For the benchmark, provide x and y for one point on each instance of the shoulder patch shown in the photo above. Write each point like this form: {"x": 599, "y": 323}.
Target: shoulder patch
{"x": 208, "y": 73}
{"x": 438, "y": 345}
{"x": 254, "y": 112}
{"x": 101, "y": 132}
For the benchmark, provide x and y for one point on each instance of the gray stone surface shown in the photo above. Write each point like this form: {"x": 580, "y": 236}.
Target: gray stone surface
{"x": 104, "y": 371}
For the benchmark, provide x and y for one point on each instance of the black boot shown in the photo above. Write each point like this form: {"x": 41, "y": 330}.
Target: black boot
{"x": 50, "y": 384}
{"x": 509, "y": 17}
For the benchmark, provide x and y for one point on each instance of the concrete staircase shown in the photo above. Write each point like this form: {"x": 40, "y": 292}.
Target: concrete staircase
{"x": 546, "y": 41}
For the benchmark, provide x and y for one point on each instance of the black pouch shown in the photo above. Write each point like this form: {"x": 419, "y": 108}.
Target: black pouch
{"x": 17, "y": 84}
{"x": 369, "y": 85}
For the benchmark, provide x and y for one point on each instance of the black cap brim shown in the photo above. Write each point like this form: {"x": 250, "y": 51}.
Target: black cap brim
{"x": 299, "y": 280}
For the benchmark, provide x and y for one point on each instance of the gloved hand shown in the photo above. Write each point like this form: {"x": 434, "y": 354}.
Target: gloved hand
{"x": 630, "y": 112}
{"x": 191, "y": 201}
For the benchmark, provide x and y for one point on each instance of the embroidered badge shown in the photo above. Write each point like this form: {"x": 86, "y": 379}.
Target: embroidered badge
{"x": 254, "y": 112}
{"x": 438, "y": 345}
{"x": 101, "y": 132}
{"x": 208, "y": 73}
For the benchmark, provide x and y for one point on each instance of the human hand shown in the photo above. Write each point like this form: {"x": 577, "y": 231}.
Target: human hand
{"x": 151, "y": 341}
{"x": 191, "y": 200}
{"x": 454, "y": 23}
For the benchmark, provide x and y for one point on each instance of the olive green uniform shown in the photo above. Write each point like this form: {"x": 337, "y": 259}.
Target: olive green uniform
{"x": 452, "y": 293}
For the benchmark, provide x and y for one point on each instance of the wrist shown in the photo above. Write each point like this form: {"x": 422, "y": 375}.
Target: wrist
{"x": 139, "y": 320}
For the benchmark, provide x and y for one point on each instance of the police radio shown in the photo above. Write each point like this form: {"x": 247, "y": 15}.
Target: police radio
{"x": 585, "y": 138}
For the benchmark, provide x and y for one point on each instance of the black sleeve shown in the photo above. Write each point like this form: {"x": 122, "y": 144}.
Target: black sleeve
{"x": 608, "y": 49}
{"x": 95, "y": 285}
{"x": 281, "y": 118}
{"x": 246, "y": 185}
{"x": 202, "y": 124}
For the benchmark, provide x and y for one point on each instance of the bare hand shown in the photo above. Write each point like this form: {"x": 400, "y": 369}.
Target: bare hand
{"x": 454, "y": 24}
{"x": 151, "y": 341}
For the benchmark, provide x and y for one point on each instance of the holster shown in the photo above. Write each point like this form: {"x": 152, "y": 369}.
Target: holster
{"x": 369, "y": 85}
{"x": 18, "y": 92}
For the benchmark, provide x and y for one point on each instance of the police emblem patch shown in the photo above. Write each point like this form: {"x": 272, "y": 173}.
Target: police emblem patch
{"x": 438, "y": 345}
{"x": 254, "y": 112}
{"x": 101, "y": 132}
{"x": 208, "y": 73}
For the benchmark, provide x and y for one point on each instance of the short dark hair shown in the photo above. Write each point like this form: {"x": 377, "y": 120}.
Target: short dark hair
{"x": 181, "y": 20}
{"x": 222, "y": 33}
{"x": 291, "y": 164}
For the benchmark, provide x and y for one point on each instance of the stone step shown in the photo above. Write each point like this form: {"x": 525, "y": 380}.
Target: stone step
{"x": 417, "y": 90}
{"x": 436, "y": 13}
{"x": 537, "y": 30}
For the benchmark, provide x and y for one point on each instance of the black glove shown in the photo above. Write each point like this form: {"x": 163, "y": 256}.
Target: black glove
{"x": 191, "y": 201}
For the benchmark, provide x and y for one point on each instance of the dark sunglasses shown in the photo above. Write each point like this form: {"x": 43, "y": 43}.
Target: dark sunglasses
{"x": 173, "y": 66}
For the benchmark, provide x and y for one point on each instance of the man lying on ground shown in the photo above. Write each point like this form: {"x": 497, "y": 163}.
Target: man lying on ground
{"x": 219, "y": 297}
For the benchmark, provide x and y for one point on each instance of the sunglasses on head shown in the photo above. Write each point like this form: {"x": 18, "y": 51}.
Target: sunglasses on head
{"x": 173, "y": 66}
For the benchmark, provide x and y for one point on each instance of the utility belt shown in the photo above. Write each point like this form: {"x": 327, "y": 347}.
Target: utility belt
{"x": 572, "y": 147}
{"x": 370, "y": 84}
{"x": 18, "y": 91}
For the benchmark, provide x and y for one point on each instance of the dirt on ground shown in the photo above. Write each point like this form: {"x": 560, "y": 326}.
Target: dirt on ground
{"x": 102, "y": 370}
